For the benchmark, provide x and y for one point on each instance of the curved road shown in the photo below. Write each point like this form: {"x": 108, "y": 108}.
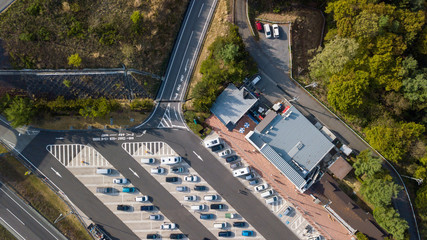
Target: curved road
{"x": 311, "y": 108}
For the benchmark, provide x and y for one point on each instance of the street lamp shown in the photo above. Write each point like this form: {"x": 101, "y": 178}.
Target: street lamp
{"x": 294, "y": 99}
{"x": 419, "y": 180}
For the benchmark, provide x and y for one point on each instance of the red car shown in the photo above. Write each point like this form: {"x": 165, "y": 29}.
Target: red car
{"x": 258, "y": 26}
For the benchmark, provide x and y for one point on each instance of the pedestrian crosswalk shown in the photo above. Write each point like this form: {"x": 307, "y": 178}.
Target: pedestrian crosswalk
{"x": 148, "y": 149}
{"x": 77, "y": 155}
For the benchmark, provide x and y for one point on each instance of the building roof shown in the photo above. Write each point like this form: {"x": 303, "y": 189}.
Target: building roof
{"x": 328, "y": 192}
{"x": 291, "y": 143}
{"x": 340, "y": 168}
{"x": 232, "y": 104}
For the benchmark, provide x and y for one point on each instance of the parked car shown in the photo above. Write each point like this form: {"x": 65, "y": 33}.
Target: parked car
{"x": 287, "y": 211}
{"x": 191, "y": 178}
{"x": 258, "y": 26}
{"x": 207, "y": 216}
{"x": 225, "y": 153}
{"x": 231, "y": 158}
{"x": 254, "y": 181}
{"x": 153, "y": 236}
{"x": 276, "y": 30}
{"x": 190, "y": 198}
{"x": 239, "y": 224}
{"x": 148, "y": 208}
{"x": 142, "y": 199}
{"x": 177, "y": 236}
{"x": 104, "y": 190}
{"x": 218, "y": 147}
{"x": 120, "y": 180}
{"x": 171, "y": 160}
{"x": 200, "y": 207}
{"x": 158, "y": 170}
{"x": 182, "y": 188}
{"x": 236, "y": 165}
{"x": 155, "y": 217}
{"x": 212, "y": 142}
{"x": 230, "y": 215}
{"x": 248, "y": 233}
{"x": 241, "y": 171}
{"x": 148, "y": 160}
{"x": 200, "y": 188}
{"x": 178, "y": 169}
{"x": 104, "y": 171}
{"x": 168, "y": 226}
{"x": 211, "y": 197}
{"x": 267, "y": 30}
{"x": 218, "y": 206}
{"x": 225, "y": 234}
{"x": 261, "y": 187}
{"x": 220, "y": 225}
{"x": 250, "y": 176}
{"x": 267, "y": 193}
{"x": 172, "y": 179}
{"x": 123, "y": 207}
{"x": 129, "y": 189}
{"x": 272, "y": 200}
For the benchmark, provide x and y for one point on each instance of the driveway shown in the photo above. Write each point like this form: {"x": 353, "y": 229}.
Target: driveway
{"x": 277, "y": 48}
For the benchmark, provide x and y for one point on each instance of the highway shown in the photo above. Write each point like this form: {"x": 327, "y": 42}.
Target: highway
{"x": 22, "y": 220}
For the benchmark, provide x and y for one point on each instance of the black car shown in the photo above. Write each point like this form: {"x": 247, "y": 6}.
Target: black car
{"x": 123, "y": 207}
{"x": 153, "y": 236}
{"x": 178, "y": 170}
{"x": 231, "y": 158}
{"x": 148, "y": 208}
{"x": 218, "y": 147}
{"x": 172, "y": 179}
{"x": 177, "y": 236}
{"x": 239, "y": 224}
{"x": 200, "y": 188}
{"x": 217, "y": 206}
{"x": 225, "y": 234}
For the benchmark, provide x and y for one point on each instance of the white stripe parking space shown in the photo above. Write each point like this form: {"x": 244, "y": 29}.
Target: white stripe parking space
{"x": 77, "y": 155}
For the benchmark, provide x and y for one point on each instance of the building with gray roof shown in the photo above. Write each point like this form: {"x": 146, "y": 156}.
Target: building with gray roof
{"x": 292, "y": 144}
{"x": 232, "y": 104}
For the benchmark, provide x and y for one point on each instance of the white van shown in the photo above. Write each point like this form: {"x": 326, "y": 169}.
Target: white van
{"x": 241, "y": 171}
{"x": 220, "y": 225}
{"x": 267, "y": 193}
{"x": 104, "y": 171}
{"x": 272, "y": 200}
{"x": 256, "y": 80}
{"x": 198, "y": 207}
{"x": 148, "y": 160}
{"x": 267, "y": 30}
{"x": 212, "y": 142}
{"x": 171, "y": 160}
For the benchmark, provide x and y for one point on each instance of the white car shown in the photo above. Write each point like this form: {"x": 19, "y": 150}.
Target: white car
{"x": 261, "y": 187}
{"x": 168, "y": 226}
{"x": 212, "y": 142}
{"x": 142, "y": 199}
{"x": 225, "y": 153}
{"x": 120, "y": 180}
{"x": 190, "y": 198}
{"x": 155, "y": 217}
{"x": 267, "y": 30}
{"x": 211, "y": 197}
{"x": 276, "y": 30}
{"x": 191, "y": 178}
{"x": 170, "y": 160}
{"x": 158, "y": 170}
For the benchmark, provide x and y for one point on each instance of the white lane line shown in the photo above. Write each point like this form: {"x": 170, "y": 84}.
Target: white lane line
{"x": 198, "y": 156}
{"x": 185, "y": 69}
{"x": 56, "y": 172}
{"x": 29, "y": 214}
{"x": 182, "y": 61}
{"x": 134, "y": 173}
{"x": 15, "y": 216}
{"x": 12, "y": 228}
{"x": 201, "y": 10}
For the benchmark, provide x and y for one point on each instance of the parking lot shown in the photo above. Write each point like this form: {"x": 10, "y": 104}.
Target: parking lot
{"x": 277, "y": 48}
{"x": 156, "y": 150}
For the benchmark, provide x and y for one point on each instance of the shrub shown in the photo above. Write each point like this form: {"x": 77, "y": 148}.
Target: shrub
{"x": 20, "y": 112}
{"x": 74, "y": 60}
{"x": 361, "y": 236}
{"x": 34, "y": 9}
{"x": 67, "y": 83}
{"x": 26, "y": 36}
{"x": 142, "y": 105}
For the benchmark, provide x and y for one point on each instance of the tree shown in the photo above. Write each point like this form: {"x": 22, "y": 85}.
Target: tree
{"x": 394, "y": 140}
{"x": 229, "y": 53}
{"x": 367, "y": 164}
{"x": 347, "y": 91}
{"x": 415, "y": 89}
{"x": 385, "y": 69}
{"x": 390, "y": 220}
{"x": 332, "y": 59}
{"x": 379, "y": 192}
{"x": 361, "y": 236}
{"x": 422, "y": 42}
{"x": 142, "y": 104}
{"x": 19, "y": 112}
{"x": 412, "y": 23}
{"x": 74, "y": 60}
{"x": 367, "y": 24}
{"x": 421, "y": 200}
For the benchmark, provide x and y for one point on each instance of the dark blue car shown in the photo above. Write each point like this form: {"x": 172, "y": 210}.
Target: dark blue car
{"x": 207, "y": 216}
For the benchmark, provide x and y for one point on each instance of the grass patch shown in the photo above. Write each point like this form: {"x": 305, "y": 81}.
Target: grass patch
{"x": 6, "y": 235}
{"x": 3, "y": 149}
{"x": 151, "y": 85}
{"x": 44, "y": 200}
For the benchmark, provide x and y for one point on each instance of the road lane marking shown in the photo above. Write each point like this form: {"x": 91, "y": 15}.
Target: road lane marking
{"x": 200, "y": 12}
{"x": 185, "y": 69}
{"x": 15, "y": 216}
{"x": 198, "y": 156}
{"x": 56, "y": 172}
{"x": 29, "y": 214}
{"x": 12, "y": 228}
{"x": 134, "y": 173}
{"x": 182, "y": 61}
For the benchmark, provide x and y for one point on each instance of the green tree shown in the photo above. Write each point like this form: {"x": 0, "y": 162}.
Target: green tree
{"x": 367, "y": 164}
{"x": 67, "y": 83}
{"x": 390, "y": 220}
{"x": 20, "y": 112}
{"x": 142, "y": 104}
{"x": 332, "y": 59}
{"x": 74, "y": 60}
{"x": 412, "y": 23}
{"x": 379, "y": 192}
{"x": 361, "y": 236}
{"x": 367, "y": 24}
{"x": 415, "y": 89}
{"x": 421, "y": 200}
{"x": 422, "y": 42}
{"x": 230, "y": 52}
{"x": 394, "y": 140}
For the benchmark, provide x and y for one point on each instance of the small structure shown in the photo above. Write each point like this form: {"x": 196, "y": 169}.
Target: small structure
{"x": 340, "y": 168}
{"x": 232, "y": 104}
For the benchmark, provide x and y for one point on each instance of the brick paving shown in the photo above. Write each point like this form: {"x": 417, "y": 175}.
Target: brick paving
{"x": 314, "y": 213}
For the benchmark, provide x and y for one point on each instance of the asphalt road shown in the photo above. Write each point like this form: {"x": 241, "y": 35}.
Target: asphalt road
{"x": 4, "y": 4}
{"x": 311, "y": 108}
{"x": 22, "y": 220}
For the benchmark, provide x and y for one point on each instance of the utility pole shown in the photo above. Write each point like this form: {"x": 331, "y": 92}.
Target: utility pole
{"x": 419, "y": 180}
{"x": 313, "y": 85}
